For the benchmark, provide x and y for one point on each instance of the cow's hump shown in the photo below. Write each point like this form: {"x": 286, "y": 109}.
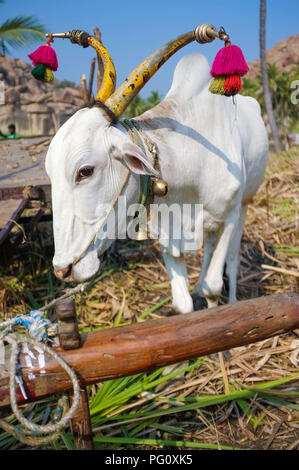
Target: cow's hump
{"x": 190, "y": 77}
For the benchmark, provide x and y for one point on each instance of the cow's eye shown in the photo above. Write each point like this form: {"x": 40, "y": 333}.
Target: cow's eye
{"x": 84, "y": 172}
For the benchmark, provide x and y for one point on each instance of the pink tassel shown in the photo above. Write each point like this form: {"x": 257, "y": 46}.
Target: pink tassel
{"x": 44, "y": 55}
{"x": 229, "y": 61}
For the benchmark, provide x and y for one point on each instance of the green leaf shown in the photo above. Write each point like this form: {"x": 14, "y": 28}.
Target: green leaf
{"x": 164, "y": 443}
{"x": 68, "y": 440}
{"x": 21, "y": 30}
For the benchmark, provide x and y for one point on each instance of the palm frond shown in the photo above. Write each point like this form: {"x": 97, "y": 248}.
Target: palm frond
{"x": 20, "y": 30}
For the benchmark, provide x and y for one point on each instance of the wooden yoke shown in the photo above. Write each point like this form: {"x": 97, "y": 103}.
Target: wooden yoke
{"x": 128, "y": 350}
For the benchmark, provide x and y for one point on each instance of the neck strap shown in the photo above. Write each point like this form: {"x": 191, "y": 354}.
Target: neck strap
{"x": 136, "y": 138}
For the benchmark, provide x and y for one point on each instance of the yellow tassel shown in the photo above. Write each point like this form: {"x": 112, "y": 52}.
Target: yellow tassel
{"x": 217, "y": 85}
{"x": 48, "y": 77}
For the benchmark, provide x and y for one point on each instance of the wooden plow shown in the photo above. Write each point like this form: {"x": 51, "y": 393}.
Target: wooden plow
{"x": 127, "y": 350}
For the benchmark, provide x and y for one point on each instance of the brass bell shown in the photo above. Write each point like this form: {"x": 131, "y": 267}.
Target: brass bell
{"x": 160, "y": 187}
{"x": 141, "y": 235}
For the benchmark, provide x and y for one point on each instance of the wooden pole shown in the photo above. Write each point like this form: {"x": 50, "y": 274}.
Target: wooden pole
{"x": 127, "y": 350}
{"x": 42, "y": 193}
{"x": 91, "y": 75}
{"x": 12, "y": 221}
{"x": 81, "y": 424}
{"x": 84, "y": 88}
{"x": 97, "y": 35}
{"x": 69, "y": 338}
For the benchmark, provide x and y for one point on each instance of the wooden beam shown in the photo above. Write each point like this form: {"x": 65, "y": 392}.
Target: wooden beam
{"x": 81, "y": 424}
{"x": 40, "y": 192}
{"x": 84, "y": 88}
{"x": 98, "y": 37}
{"x": 14, "y": 218}
{"x": 91, "y": 75}
{"x": 127, "y": 350}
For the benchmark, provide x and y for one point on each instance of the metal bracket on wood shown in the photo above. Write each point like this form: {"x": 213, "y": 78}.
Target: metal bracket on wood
{"x": 69, "y": 338}
{"x": 68, "y": 333}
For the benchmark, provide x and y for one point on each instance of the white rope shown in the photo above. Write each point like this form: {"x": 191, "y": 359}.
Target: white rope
{"x": 37, "y": 332}
{"x": 28, "y": 425}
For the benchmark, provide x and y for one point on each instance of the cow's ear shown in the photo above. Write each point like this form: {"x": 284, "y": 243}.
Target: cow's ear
{"x": 136, "y": 160}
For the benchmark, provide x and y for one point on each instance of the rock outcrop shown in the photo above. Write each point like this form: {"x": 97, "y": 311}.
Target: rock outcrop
{"x": 285, "y": 54}
{"x": 35, "y": 108}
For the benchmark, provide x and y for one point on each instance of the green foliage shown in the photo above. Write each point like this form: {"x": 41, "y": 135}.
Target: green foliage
{"x": 115, "y": 406}
{"x": 285, "y": 112}
{"x": 140, "y": 105}
{"x": 20, "y": 30}
{"x": 64, "y": 84}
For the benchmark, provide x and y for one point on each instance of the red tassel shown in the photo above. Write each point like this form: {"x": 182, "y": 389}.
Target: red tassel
{"x": 232, "y": 85}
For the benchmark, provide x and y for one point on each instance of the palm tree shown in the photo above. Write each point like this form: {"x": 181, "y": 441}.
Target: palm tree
{"x": 18, "y": 31}
{"x": 285, "y": 113}
{"x": 267, "y": 94}
{"x": 154, "y": 98}
{"x": 140, "y": 105}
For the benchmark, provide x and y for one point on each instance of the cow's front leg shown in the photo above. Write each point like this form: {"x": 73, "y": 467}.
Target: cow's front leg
{"x": 213, "y": 281}
{"x": 232, "y": 260}
{"x": 209, "y": 247}
{"x": 181, "y": 299}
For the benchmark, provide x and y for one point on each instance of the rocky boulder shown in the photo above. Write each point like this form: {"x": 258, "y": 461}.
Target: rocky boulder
{"x": 35, "y": 108}
{"x": 285, "y": 54}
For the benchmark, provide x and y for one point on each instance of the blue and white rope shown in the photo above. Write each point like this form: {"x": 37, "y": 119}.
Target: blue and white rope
{"x": 38, "y": 330}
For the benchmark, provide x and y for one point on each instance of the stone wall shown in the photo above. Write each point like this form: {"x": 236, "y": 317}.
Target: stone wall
{"x": 35, "y": 108}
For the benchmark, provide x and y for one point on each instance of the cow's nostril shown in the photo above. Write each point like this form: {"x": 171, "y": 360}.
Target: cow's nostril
{"x": 63, "y": 273}
{"x": 67, "y": 271}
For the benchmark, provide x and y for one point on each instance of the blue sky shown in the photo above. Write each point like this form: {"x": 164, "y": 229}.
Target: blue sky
{"x": 132, "y": 30}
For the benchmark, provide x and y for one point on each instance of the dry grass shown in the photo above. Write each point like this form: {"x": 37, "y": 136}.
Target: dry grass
{"x": 135, "y": 281}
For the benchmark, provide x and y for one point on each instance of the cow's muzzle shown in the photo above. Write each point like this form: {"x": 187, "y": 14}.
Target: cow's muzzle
{"x": 64, "y": 274}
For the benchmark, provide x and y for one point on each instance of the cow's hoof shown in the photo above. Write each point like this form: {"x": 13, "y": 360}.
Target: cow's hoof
{"x": 172, "y": 313}
{"x": 199, "y": 303}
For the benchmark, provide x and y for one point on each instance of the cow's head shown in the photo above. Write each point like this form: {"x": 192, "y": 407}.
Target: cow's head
{"x": 90, "y": 163}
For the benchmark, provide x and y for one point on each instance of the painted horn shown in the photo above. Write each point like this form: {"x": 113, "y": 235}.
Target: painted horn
{"x": 82, "y": 38}
{"x": 122, "y": 97}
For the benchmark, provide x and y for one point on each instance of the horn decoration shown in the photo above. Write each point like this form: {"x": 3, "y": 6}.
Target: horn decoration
{"x": 82, "y": 38}
{"x": 122, "y": 97}
{"x": 109, "y": 75}
{"x": 117, "y": 101}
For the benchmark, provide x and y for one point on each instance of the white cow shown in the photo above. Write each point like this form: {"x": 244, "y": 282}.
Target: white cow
{"x": 212, "y": 151}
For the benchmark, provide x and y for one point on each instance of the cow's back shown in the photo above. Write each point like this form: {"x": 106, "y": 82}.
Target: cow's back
{"x": 212, "y": 148}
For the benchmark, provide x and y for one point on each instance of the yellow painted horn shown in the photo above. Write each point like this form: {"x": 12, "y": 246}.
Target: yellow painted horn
{"x": 109, "y": 74}
{"x": 122, "y": 97}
